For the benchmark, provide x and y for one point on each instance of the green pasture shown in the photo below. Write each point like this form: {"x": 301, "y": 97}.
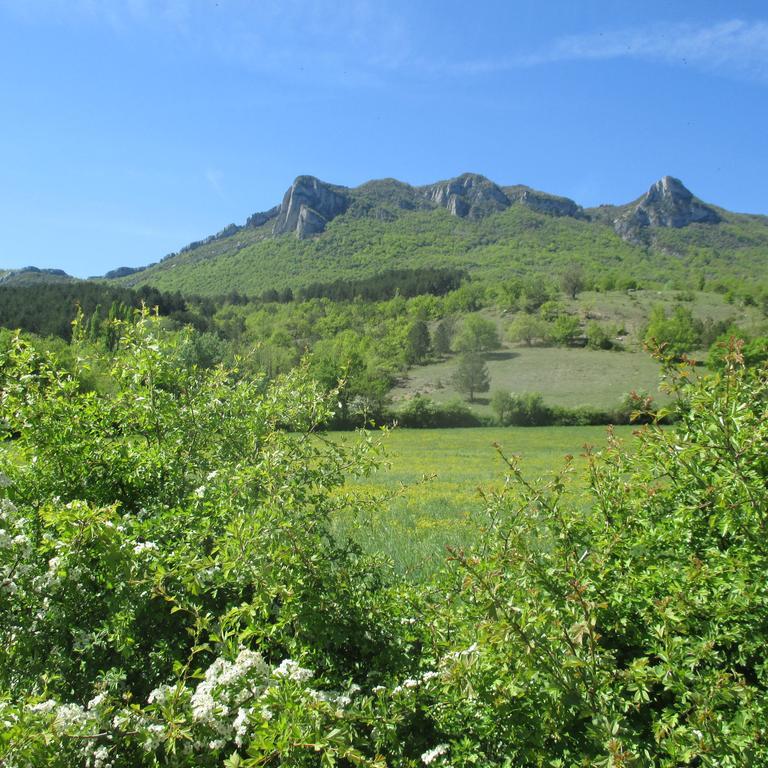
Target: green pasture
{"x": 571, "y": 377}
{"x": 434, "y": 477}
{"x": 567, "y": 377}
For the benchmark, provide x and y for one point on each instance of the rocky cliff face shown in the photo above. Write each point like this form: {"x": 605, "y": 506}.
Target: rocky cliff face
{"x": 308, "y": 206}
{"x": 259, "y": 219}
{"x": 666, "y": 204}
{"x": 542, "y": 202}
{"x": 467, "y": 195}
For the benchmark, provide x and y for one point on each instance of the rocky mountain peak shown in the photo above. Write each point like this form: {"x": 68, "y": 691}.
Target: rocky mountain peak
{"x": 470, "y": 195}
{"x": 668, "y": 203}
{"x": 308, "y": 205}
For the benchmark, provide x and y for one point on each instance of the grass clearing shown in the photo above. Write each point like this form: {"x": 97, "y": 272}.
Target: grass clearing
{"x": 429, "y": 514}
{"x": 567, "y": 377}
{"x": 570, "y": 377}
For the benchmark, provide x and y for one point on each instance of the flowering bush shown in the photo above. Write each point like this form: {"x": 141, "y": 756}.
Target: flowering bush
{"x": 171, "y": 593}
{"x": 165, "y": 551}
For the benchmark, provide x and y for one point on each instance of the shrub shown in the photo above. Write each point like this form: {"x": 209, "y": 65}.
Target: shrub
{"x": 422, "y": 412}
{"x": 526, "y": 328}
{"x": 629, "y": 631}
{"x": 167, "y": 569}
{"x": 676, "y": 332}
{"x": 599, "y": 336}
{"x": 564, "y": 330}
{"x": 477, "y": 334}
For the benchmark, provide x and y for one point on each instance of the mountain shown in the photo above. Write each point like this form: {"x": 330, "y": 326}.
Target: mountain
{"x": 33, "y": 276}
{"x": 321, "y": 231}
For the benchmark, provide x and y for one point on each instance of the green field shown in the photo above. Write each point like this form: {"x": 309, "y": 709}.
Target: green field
{"x": 571, "y": 377}
{"x": 567, "y": 377}
{"x": 435, "y": 475}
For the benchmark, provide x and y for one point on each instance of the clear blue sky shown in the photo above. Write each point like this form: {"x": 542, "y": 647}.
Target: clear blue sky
{"x": 130, "y": 127}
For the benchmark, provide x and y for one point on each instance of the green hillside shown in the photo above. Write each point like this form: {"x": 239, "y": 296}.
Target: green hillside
{"x": 32, "y": 276}
{"x": 491, "y": 232}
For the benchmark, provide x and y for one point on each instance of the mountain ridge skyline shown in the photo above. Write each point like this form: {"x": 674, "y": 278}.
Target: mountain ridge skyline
{"x": 445, "y": 193}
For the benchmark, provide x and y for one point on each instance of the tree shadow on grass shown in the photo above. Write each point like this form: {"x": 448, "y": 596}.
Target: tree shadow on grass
{"x": 505, "y": 355}
{"x": 479, "y": 401}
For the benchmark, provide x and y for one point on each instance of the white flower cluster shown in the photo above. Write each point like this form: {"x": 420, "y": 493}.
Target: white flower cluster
{"x": 411, "y": 683}
{"x": 233, "y": 695}
{"x": 144, "y": 546}
{"x": 99, "y": 758}
{"x": 433, "y": 754}
{"x": 405, "y": 685}
{"x": 16, "y": 549}
{"x": 290, "y": 669}
{"x": 228, "y": 684}
{"x": 65, "y": 718}
{"x": 222, "y": 709}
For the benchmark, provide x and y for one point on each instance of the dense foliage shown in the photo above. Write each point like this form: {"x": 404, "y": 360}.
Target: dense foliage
{"x": 166, "y": 555}
{"x": 515, "y": 242}
{"x": 172, "y": 593}
{"x": 387, "y": 284}
{"x": 632, "y": 631}
{"x": 48, "y": 308}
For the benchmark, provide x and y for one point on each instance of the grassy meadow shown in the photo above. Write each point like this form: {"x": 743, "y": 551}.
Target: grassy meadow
{"x": 566, "y": 377}
{"x": 434, "y": 477}
{"x": 572, "y": 377}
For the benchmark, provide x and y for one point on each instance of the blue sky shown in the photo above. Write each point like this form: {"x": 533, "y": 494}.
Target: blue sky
{"x": 130, "y": 127}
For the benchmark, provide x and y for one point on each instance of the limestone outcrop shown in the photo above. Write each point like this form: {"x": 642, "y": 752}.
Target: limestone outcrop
{"x": 308, "y": 206}
{"x": 668, "y": 203}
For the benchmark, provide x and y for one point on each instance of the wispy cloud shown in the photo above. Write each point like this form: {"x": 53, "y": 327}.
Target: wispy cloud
{"x": 360, "y": 42}
{"x": 215, "y": 180}
{"x": 354, "y": 38}
{"x": 734, "y": 45}
{"x": 118, "y": 14}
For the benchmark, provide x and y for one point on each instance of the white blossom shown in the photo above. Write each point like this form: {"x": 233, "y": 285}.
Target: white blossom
{"x": 43, "y": 707}
{"x": 240, "y": 725}
{"x": 100, "y": 757}
{"x": 291, "y": 670}
{"x": 69, "y": 716}
{"x": 161, "y": 694}
{"x": 432, "y": 754}
{"x": 406, "y": 684}
{"x": 97, "y": 700}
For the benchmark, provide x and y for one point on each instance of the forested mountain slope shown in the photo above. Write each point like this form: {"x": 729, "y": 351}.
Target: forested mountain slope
{"x": 323, "y": 232}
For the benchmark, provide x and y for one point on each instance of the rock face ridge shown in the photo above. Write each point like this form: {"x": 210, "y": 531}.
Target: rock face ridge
{"x": 258, "y": 219}
{"x": 469, "y": 195}
{"x": 541, "y": 202}
{"x": 668, "y": 203}
{"x": 308, "y": 206}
